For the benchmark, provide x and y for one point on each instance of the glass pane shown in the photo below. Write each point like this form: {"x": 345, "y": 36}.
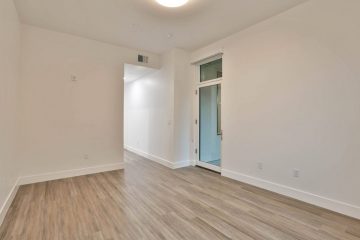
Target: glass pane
{"x": 209, "y": 124}
{"x": 211, "y": 70}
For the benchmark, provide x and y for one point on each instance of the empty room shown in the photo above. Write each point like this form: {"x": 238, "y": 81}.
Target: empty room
{"x": 179, "y": 119}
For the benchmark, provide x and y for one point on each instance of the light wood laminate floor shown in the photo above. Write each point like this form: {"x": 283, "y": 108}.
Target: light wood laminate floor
{"x": 149, "y": 201}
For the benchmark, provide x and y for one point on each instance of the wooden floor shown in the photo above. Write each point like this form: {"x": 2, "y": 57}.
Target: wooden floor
{"x": 149, "y": 201}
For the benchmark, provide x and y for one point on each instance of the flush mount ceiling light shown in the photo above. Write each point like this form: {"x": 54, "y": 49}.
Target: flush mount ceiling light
{"x": 172, "y": 3}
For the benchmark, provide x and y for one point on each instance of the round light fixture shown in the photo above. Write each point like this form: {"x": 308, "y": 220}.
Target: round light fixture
{"x": 172, "y": 3}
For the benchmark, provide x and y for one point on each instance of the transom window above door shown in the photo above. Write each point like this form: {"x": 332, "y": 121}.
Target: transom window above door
{"x": 211, "y": 70}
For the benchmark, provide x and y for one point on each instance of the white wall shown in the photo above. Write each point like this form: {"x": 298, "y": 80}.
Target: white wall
{"x": 69, "y": 124}
{"x": 183, "y": 95}
{"x": 9, "y": 74}
{"x": 291, "y": 101}
{"x": 148, "y": 112}
{"x": 158, "y": 110}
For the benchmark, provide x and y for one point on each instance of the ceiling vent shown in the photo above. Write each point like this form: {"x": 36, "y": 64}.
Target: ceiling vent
{"x": 143, "y": 59}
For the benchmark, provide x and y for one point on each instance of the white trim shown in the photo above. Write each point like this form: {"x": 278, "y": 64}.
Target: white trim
{"x": 331, "y": 204}
{"x": 151, "y": 157}
{"x": 159, "y": 160}
{"x": 69, "y": 173}
{"x": 209, "y": 58}
{"x": 209, "y": 83}
{"x": 209, "y": 166}
{"x": 53, "y": 176}
{"x": 9, "y": 199}
{"x": 181, "y": 164}
{"x": 200, "y": 85}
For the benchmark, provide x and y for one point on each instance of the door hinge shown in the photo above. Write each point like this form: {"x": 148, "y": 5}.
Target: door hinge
{"x": 196, "y": 121}
{"x": 196, "y": 92}
{"x": 196, "y": 151}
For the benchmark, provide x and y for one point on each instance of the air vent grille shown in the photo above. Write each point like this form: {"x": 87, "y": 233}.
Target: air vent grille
{"x": 143, "y": 59}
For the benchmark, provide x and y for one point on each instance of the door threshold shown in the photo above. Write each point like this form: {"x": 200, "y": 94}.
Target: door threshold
{"x": 208, "y": 169}
{"x": 209, "y": 166}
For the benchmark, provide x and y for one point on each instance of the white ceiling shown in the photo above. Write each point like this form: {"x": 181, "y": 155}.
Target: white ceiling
{"x": 143, "y": 24}
{"x": 134, "y": 72}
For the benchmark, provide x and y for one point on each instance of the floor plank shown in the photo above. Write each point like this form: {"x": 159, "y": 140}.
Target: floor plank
{"x": 149, "y": 201}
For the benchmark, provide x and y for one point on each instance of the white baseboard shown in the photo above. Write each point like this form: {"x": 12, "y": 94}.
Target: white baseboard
{"x": 159, "y": 160}
{"x": 9, "y": 199}
{"x": 181, "y": 164}
{"x": 53, "y": 176}
{"x": 331, "y": 204}
{"x": 69, "y": 173}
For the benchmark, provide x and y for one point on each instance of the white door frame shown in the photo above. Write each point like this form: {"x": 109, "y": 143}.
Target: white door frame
{"x": 197, "y": 122}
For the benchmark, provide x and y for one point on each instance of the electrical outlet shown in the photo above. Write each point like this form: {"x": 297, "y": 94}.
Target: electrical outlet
{"x": 260, "y": 166}
{"x": 86, "y": 156}
{"x": 296, "y": 173}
